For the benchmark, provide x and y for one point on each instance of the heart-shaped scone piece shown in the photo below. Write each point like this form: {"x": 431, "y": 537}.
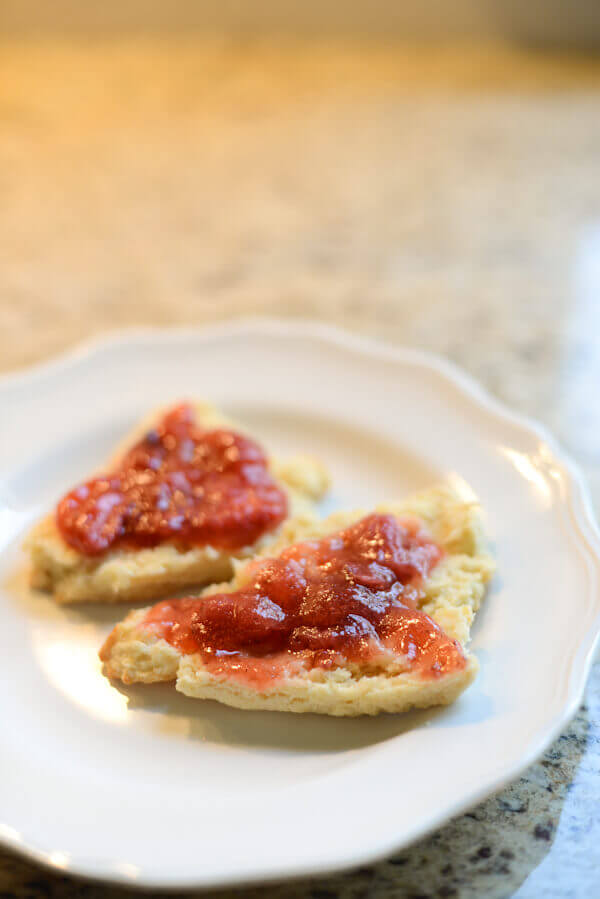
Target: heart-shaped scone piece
{"x": 357, "y": 614}
{"x": 185, "y": 496}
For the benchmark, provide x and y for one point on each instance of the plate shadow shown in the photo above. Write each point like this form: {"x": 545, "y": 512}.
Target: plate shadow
{"x": 277, "y": 731}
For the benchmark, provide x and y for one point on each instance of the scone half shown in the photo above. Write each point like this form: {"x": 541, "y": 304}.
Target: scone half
{"x": 451, "y": 595}
{"x": 136, "y": 574}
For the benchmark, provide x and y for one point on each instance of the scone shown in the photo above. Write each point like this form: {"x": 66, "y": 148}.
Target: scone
{"x": 356, "y": 614}
{"x": 181, "y": 500}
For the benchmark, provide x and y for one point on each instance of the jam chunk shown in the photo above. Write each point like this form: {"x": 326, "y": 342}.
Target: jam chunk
{"x": 180, "y": 483}
{"x": 350, "y": 598}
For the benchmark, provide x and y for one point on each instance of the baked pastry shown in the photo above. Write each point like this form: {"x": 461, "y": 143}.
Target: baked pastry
{"x": 351, "y": 615}
{"x": 183, "y": 497}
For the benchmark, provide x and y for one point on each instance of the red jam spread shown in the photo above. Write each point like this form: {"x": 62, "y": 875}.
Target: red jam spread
{"x": 350, "y": 597}
{"x": 180, "y": 484}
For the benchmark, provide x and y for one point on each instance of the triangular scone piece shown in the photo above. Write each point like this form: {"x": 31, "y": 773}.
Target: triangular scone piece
{"x": 132, "y": 571}
{"x": 445, "y": 602}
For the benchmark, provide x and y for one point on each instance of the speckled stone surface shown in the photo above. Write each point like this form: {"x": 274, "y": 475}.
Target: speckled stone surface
{"x": 448, "y": 199}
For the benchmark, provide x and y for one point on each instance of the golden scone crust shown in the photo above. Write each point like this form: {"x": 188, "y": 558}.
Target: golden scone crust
{"x": 141, "y": 574}
{"x": 453, "y": 593}
{"x": 135, "y": 655}
{"x": 340, "y": 692}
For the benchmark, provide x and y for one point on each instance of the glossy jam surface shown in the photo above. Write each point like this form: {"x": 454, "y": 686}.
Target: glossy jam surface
{"x": 180, "y": 483}
{"x": 348, "y": 598}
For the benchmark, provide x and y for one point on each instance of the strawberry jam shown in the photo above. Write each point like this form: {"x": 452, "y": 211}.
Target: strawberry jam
{"x": 180, "y": 484}
{"x": 349, "y": 598}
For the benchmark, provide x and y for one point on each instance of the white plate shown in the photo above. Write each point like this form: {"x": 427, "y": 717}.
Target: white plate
{"x": 144, "y": 786}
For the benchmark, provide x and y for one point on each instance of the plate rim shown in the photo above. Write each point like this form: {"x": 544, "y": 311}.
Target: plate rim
{"x": 581, "y": 522}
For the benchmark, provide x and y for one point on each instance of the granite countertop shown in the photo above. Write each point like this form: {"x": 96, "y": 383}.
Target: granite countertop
{"x": 447, "y": 199}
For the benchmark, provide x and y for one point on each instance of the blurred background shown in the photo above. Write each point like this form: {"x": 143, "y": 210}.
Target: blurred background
{"x": 428, "y": 173}
{"x": 540, "y": 20}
